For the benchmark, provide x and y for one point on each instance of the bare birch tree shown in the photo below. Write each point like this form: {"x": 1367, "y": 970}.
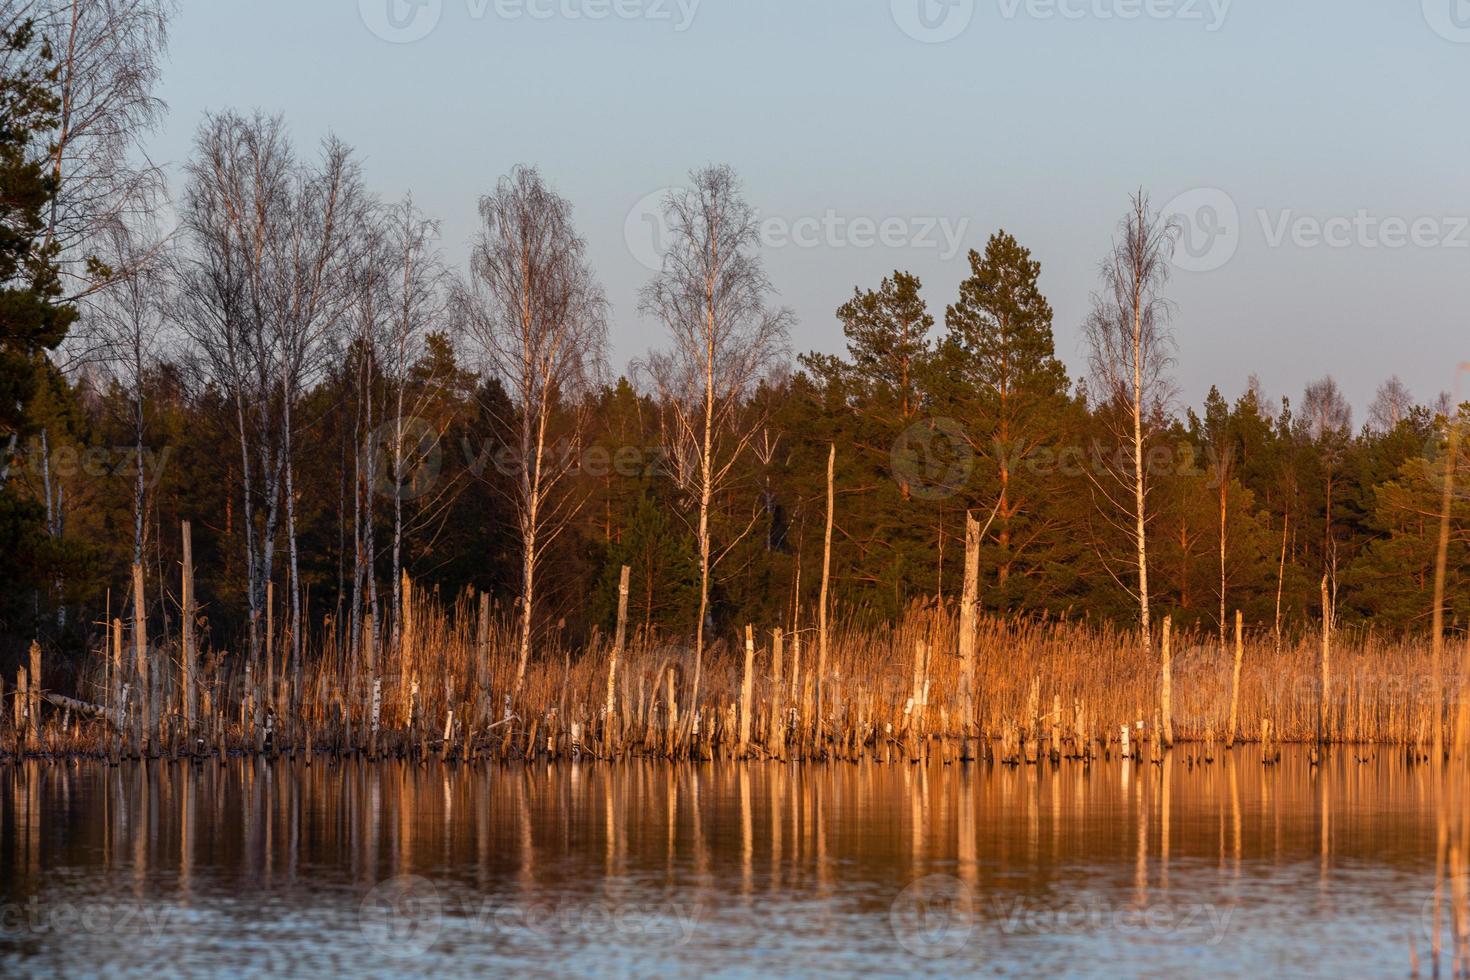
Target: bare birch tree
{"x": 369, "y": 308}
{"x": 712, "y": 297}
{"x": 1130, "y": 346}
{"x": 1392, "y": 403}
{"x": 1325, "y": 421}
{"x": 417, "y": 302}
{"x": 263, "y": 279}
{"x": 109, "y": 56}
{"x": 400, "y": 295}
{"x": 538, "y": 316}
{"x": 128, "y": 321}
{"x": 104, "y": 60}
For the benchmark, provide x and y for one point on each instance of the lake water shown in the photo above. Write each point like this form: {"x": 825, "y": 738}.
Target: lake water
{"x": 255, "y": 867}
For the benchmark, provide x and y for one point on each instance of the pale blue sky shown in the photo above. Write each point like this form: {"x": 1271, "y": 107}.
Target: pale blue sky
{"x": 1040, "y": 116}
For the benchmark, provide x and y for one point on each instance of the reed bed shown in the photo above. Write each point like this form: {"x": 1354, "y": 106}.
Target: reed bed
{"x": 1043, "y": 694}
{"x": 444, "y": 688}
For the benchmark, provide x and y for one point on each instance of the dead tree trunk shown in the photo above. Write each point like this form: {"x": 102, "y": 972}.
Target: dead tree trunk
{"x": 143, "y": 720}
{"x": 826, "y": 578}
{"x": 1235, "y": 683}
{"x": 187, "y": 667}
{"x": 968, "y": 602}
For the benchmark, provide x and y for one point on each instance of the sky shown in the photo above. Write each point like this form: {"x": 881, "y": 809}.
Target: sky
{"x": 1314, "y": 151}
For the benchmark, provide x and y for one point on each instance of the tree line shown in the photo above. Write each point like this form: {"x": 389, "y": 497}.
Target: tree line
{"x": 297, "y": 370}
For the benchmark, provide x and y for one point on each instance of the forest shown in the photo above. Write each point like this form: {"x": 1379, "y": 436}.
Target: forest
{"x": 296, "y": 369}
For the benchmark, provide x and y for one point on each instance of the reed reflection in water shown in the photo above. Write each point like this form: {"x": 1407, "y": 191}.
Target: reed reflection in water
{"x": 388, "y": 868}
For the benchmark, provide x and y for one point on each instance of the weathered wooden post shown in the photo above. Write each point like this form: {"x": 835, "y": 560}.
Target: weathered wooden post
{"x": 482, "y": 659}
{"x": 405, "y": 617}
{"x": 1323, "y": 713}
{"x": 826, "y": 576}
{"x": 33, "y": 730}
{"x": 1166, "y": 686}
{"x": 270, "y": 647}
{"x": 1031, "y": 724}
{"x": 374, "y": 689}
{"x": 375, "y": 710}
{"x": 776, "y": 736}
{"x": 919, "y": 701}
{"x": 1235, "y": 683}
{"x": 119, "y": 686}
{"x": 619, "y": 637}
{"x": 747, "y": 691}
{"x": 22, "y": 711}
{"x": 143, "y": 720}
{"x": 967, "y": 632}
{"x": 187, "y": 668}
{"x": 1056, "y": 728}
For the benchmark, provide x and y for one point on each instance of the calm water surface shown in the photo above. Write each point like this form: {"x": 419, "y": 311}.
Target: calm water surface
{"x": 1232, "y": 869}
